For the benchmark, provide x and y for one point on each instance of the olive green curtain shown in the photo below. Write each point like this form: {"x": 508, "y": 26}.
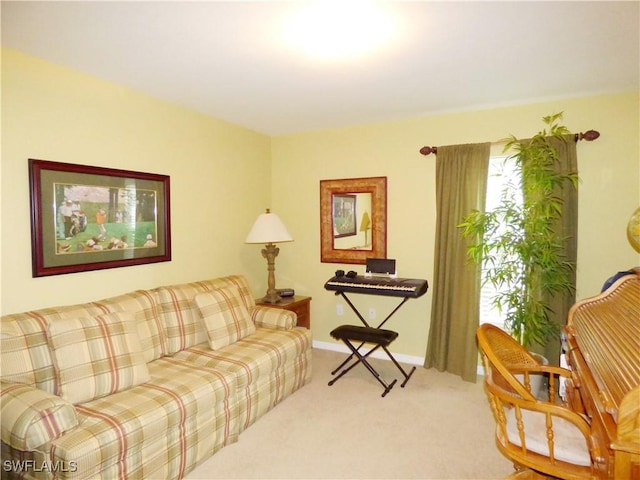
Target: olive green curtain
{"x": 461, "y": 183}
{"x": 567, "y": 229}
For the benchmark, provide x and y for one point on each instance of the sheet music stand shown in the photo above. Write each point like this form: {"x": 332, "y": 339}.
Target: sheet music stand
{"x": 386, "y": 266}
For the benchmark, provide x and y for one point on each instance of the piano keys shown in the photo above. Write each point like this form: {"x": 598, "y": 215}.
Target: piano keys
{"x": 386, "y": 286}
{"x": 603, "y": 347}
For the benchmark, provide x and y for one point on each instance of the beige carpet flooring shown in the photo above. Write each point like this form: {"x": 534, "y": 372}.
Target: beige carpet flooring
{"x": 437, "y": 427}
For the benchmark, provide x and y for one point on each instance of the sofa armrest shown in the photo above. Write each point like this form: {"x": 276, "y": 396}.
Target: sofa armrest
{"x": 270, "y": 317}
{"x": 31, "y": 417}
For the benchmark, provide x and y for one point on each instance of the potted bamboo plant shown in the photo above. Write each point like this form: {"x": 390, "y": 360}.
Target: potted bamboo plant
{"x": 520, "y": 254}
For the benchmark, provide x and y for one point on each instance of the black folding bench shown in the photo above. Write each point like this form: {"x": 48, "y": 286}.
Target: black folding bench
{"x": 377, "y": 336}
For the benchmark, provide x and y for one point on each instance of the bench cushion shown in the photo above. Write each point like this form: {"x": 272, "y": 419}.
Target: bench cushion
{"x": 364, "y": 334}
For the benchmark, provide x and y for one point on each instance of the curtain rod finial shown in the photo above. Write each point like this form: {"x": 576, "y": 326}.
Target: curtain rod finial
{"x": 589, "y": 135}
{"x": 428, "y": 150}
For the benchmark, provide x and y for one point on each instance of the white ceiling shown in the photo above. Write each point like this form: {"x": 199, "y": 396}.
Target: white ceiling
{"x": 230, "y": 59}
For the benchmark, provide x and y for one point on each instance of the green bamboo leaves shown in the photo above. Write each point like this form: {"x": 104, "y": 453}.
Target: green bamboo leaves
{"x": 517, "y": 244}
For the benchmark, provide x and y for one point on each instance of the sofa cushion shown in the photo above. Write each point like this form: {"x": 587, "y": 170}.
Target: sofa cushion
{"x": 24, "y": 350}
{"x": 96, "y": 356}
{"x": 25, "y": 355}
{"x": 253, "y": 357}
{"x": 180, "y": 317}
{"x": 182, "y": 410}
{"x": 142, "y": 304}
{"x": 238, "y": 281}
{"x": 225, "y": 317}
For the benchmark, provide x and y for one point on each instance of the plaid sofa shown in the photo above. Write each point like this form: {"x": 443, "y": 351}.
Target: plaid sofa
{"x": 142, "y": 385}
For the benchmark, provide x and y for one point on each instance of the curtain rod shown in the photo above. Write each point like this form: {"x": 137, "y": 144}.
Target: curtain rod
{"x": 589, "y": 136}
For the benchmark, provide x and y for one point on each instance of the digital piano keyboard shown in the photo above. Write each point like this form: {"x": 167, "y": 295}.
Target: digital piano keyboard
{"x": 387, "y": 286}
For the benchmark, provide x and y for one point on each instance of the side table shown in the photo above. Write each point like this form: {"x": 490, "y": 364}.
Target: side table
{"x": 298, "y": 304}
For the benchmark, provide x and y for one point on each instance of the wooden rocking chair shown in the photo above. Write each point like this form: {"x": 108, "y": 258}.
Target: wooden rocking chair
{"x": 544, "y": 436}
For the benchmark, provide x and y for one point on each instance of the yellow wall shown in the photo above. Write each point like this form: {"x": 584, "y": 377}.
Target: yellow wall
{"x": 219, "y": 179}
{"x": 223, "y": 176}
{"x": 609, "y": 193}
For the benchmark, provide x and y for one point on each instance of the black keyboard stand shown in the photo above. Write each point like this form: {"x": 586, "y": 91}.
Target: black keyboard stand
{"x": 406, "y": 375}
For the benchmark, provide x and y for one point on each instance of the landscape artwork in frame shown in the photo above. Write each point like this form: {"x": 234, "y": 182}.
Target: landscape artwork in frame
{"x": 344, "y": 215}
{"x": 91, "y": 218}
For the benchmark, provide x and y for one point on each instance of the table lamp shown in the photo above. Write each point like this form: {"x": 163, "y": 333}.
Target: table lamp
{"x": 269, "y": 229}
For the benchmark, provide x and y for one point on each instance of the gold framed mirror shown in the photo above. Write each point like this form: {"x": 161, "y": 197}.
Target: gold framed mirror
{"x": 353, "y": 219}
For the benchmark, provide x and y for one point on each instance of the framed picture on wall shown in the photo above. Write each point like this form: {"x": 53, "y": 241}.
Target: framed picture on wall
{"x": 90, "y": 218}
{"x": 344, "y": 215}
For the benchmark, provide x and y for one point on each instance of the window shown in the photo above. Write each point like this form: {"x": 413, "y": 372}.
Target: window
{"x": 502, "y": 174}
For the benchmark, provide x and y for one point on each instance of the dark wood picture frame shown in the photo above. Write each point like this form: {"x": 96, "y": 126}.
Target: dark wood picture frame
{"x": 90, "y": 218}
{"x": 377, "y": 187}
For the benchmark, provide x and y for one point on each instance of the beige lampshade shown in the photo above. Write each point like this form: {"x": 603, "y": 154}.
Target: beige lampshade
{"x": 365, "y": 223}
{"x": 268, "y": 228}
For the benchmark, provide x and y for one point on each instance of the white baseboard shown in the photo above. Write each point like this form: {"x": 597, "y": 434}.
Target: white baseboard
{"x": 337, "y": 347}
{"x": 409, "y": 359}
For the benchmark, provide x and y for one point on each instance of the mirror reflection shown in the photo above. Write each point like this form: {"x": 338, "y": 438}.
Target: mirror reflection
{"x": 351, "y": 221}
